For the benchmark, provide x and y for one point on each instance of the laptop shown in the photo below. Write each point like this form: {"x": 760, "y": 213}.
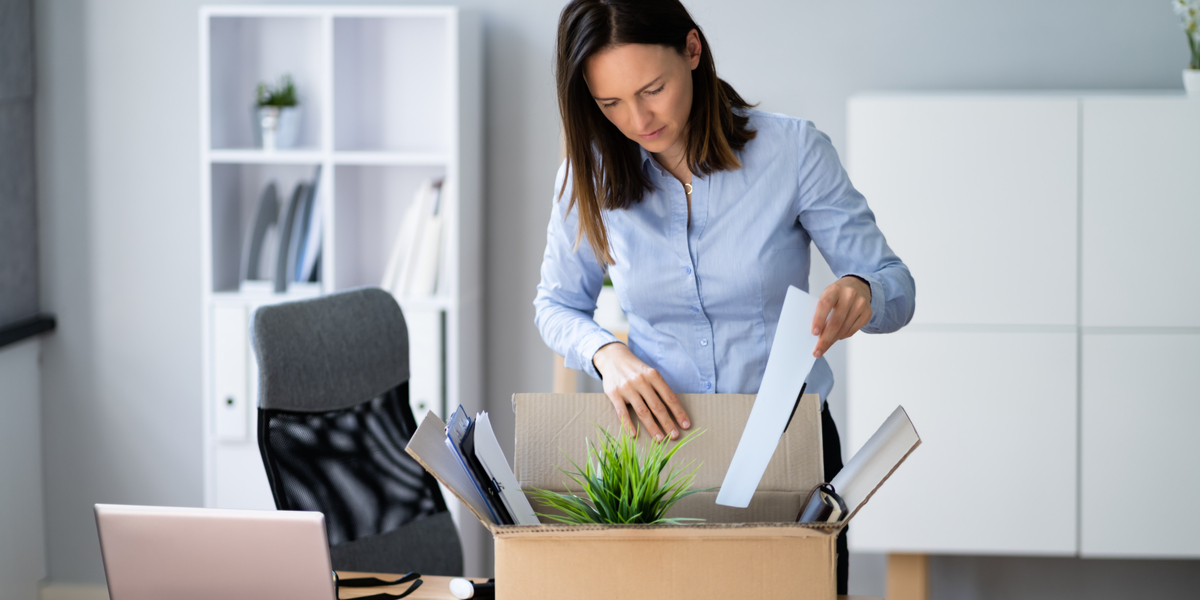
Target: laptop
{"x": 156, "y": 552}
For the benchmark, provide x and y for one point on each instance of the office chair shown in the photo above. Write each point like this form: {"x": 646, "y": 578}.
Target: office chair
{"x": 333, "y": 421}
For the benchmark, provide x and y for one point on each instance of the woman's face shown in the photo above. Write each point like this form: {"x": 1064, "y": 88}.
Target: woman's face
{"x": 646, "y": 91}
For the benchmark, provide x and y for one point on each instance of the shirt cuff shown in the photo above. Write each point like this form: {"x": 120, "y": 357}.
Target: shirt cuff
{"x": 586, "y": 349}
{"x": 878, "y": 300}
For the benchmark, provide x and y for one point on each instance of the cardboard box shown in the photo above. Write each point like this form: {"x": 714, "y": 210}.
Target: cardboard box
{"x": 758, "y": 552}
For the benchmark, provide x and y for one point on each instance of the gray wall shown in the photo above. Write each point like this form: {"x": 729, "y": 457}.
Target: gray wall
{"x": 22, "y": 539}
{"x": 18, "y": 203}
{"x": 118, "y": 188}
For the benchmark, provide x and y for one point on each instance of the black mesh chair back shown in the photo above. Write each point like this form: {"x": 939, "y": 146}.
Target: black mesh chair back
{"x": 333, "y": 421}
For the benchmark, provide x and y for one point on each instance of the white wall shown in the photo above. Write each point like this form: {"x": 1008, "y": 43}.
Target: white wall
{"x": 22, "y": 540}
{"x": 118, "y": 187}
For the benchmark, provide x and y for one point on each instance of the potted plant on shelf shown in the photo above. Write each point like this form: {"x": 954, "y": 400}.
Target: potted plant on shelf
{"x": 277, "y": 112}
{"x": 1189, "y": 14}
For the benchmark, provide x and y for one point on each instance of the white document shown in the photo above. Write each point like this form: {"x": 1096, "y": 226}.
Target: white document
{"x": 788, "y": 366}
{"x": 876, "y": 460}
{"x": 428, "y": 444}
{"x": 487, "y": 450}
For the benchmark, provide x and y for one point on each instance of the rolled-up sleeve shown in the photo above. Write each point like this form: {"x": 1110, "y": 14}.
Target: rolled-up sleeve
{"x": 571, "y": 282}
{"x": 843, "y": 228}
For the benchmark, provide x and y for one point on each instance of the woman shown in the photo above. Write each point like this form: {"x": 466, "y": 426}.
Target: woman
{"x": 701, "y": 211}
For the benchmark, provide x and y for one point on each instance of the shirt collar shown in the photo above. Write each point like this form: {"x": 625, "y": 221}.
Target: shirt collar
{"x": 648, "y": 161}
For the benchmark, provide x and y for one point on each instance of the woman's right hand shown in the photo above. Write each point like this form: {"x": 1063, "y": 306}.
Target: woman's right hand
{"x": 629, "y": 381}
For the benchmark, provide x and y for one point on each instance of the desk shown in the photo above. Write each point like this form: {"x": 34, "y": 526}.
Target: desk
{"x": 437, "y": 588}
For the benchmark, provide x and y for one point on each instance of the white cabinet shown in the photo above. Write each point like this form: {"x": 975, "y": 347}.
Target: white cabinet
{"x": 978, "y": 195}
{"x": 996, "y": 413}
{"x": 1051, "y": 367}
{"x": 1140, "y": 468}
{"x": 1141, "y": 208}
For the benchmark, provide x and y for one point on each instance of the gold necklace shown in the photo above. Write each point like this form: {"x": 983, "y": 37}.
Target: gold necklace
{"x": 688, "y": 188}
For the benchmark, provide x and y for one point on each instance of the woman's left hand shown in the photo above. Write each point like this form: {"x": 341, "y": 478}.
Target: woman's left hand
{"x": 844, "y": 308}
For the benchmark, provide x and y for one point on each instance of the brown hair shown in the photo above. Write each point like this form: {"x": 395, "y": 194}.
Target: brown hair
{"x": 603, "y": 164}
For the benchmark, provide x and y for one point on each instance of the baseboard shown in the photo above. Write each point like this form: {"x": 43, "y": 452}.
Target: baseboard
{"x": 73, "y": 591}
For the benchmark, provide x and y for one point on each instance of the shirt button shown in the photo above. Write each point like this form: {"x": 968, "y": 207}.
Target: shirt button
{"x": 689, "y": 270}
{"x": 708, "y": 385}
{"x": 695, "y": 309}
{"x": 704, "y": 342}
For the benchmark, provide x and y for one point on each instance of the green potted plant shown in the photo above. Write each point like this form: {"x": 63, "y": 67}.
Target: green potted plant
{"x": 277, "y": 112}
{"x": 1189, "y": 16}
{"x": 623, "y": 484}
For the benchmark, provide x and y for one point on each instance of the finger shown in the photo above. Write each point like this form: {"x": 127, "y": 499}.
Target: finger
{"x": 623, "y": 414}
{"x": 850, "y": 325}
{"x": 830, "y": 334}
{"x": 644, "y": 415}
{"x": 668, "y": 396}
{"x": 657, "y": 408}
{"x": 826, "y": 303}
{"x": 860, "y": 321}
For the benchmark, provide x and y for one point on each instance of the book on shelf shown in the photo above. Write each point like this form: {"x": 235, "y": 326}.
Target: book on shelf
{"x": 413, "y": 264}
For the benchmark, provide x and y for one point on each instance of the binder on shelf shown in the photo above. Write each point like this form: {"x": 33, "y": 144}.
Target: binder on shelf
{"x": 310, "y": 256}
{"x": 295, "y": 205}
{"x": 266, "y": 218}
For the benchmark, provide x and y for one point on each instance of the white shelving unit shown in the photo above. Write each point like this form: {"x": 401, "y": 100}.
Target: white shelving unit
{"x": 389, "y": 97}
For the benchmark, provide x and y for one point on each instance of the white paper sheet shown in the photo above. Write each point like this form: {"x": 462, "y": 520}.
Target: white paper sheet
{"x": 788, "y": 366}
{"x": 886, "y": 449}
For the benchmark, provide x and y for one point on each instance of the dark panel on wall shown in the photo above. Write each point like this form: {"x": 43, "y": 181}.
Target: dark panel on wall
{"x": 18, "y": 202}
{"x": 16, "y": 49}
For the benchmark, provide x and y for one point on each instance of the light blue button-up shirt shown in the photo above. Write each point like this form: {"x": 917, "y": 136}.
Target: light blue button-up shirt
{"x": 703, "y": 301}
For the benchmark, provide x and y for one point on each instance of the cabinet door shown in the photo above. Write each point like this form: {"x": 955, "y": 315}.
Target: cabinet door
{"x": 979, "y": 197}
{"x": 426, "y": 359}
{"x": 1141, "y": 206}
{"x": 230, "y": 356}
{"x": 996, "y": 469}
{"x": 1141, "y": 448}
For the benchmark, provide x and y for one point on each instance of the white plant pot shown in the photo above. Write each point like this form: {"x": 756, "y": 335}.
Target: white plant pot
{"x": 1191, "y": 82}
{"x": 277, "y": 127}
